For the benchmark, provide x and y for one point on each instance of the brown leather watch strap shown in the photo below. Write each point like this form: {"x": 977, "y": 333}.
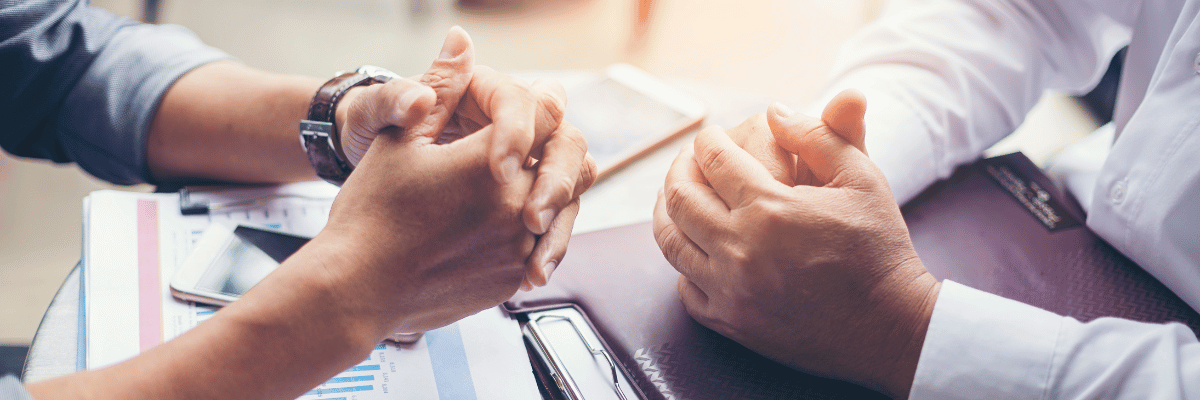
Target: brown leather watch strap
{"x": 319, "y": 134}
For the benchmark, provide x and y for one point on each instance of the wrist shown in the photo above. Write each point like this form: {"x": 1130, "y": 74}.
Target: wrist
{"x": 350, "y": 285}
{"x": 311, "y": 298}
{"x": 908, "y": 337}
{"x": 319, "y": 133}
{"x": 361, "y": 280}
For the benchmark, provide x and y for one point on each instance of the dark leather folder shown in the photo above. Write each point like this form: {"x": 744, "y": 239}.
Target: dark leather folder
{"x": 998, "y": 225}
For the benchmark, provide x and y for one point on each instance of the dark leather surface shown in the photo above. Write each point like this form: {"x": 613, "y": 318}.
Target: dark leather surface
{"x": 967, "y": 228}
{"x": 620, "y": 279}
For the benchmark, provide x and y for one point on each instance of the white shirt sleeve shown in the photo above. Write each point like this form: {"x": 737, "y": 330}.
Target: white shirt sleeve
{"x": 982, "y": 346}
{"x": 946, "y": 79}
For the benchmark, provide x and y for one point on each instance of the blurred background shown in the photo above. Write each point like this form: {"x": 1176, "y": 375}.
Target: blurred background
{"x": 772, "y": 48}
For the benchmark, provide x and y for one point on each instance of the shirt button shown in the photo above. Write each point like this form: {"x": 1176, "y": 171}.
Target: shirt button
{"x": 1117, "y": 194}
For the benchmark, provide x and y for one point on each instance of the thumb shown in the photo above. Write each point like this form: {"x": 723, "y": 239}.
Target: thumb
{"x": 399, "y": 103}
{"x": 844, "y": 114}
{"x": 449, "y": 76}
{"x": 830, "y": 157}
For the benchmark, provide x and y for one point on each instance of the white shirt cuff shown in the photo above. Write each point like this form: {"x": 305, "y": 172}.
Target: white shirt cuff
{"x": 983, "y": 346}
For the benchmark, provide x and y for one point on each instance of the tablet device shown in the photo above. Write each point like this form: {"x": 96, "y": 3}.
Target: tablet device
{"x": 628, "y": 113}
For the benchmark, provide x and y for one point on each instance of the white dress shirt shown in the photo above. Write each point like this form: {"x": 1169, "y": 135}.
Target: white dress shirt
{"x": 946, "y": 79}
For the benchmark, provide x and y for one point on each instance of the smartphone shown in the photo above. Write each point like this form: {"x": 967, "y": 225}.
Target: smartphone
{"x": 227, "y": 262}
{"x": 629, "y": 113}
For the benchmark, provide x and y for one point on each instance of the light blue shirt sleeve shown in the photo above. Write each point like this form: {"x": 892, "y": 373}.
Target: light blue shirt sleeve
{"x": 81, "y": 84}
{"x": 11, "y": 389}
{"x": 105, "y": 119}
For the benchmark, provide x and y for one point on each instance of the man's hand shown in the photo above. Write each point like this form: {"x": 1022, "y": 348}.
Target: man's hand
{"x": 524, "y": 123}
{"x": 823, "y": 278}
{"x": 435, "y": 224}
{"x": 429, "y": 235}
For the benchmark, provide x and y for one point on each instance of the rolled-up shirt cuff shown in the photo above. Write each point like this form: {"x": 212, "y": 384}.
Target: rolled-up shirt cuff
{"x": 106, "y": 118}
{"x": 983, "y": 346}
{"x": 11, "y": 389}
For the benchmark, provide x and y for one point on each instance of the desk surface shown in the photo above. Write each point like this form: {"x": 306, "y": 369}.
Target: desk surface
{"x": 626, "y": 197}
{"x": 55, "y": 347}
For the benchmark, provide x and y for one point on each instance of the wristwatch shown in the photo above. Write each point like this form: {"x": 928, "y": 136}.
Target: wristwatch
{"x": 319, "y": 135}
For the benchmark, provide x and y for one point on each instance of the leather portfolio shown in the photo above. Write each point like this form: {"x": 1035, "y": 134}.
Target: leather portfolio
{"x": 999, "y": 225}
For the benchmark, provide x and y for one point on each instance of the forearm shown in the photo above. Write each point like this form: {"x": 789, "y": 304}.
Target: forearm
{"x": 947, "y": 79}
{"x": 228, "y": 122}
{"x": 289, "y": 334}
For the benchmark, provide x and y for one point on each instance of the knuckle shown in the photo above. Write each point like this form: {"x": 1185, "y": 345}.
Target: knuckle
{"x": 667, "y": 237}
{"x": 843, "y": 170}
{"x": 554, "y": 107}
{"x": 676, "y": 196}
{"x": 560, "y": 185}
{"x": 661, "y": 232}
{"x": 672, "y": 245}
{"x": 587, "y": 175}
{"x": 439, "y": 78}
{"x": 811, "y": 131}
{"x": 711, "y": 158}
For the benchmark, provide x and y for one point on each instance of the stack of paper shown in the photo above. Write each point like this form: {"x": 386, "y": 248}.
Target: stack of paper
{"x": 133, "y": 243}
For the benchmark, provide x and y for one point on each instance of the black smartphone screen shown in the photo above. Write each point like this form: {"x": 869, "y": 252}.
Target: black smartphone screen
{"x": 248, "y": 259}
{"x": 279, "y": 246}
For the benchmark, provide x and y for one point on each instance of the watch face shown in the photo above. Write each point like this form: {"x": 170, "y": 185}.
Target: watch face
{"x": 377, "y": 73}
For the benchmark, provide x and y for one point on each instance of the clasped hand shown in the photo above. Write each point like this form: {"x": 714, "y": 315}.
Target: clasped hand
{"x": 466, "y": 187}
{"x": 789, "y": 242}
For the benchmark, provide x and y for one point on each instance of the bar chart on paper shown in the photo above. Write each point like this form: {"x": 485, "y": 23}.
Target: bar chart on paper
{"x": 370, "y": 379}
{"x": 464, "y": 361}
{"x": 134, "y": 242}
{"x": 436, "y": 367}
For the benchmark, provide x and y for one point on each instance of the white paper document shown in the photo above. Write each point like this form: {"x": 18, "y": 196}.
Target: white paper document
{"x": 133, "y": 243}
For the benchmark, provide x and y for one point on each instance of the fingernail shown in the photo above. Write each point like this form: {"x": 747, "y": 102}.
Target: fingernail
{"x": 547, "y": 269}
{"x": 453, "y": 46}
{"x": 510, "y": 168}
{"x": 782, "y": 110}
{"x": 545, "y": 217}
